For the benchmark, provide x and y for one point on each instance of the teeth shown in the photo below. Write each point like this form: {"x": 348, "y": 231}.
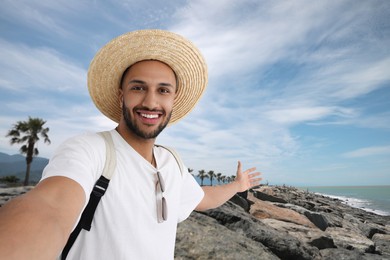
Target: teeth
{"x": 149, "y": 115}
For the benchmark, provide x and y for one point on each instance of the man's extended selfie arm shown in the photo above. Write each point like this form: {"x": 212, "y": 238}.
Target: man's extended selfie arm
{"x": 36, "y": 225}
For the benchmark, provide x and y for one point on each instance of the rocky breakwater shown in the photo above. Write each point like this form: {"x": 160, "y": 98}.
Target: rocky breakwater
{"x": 277, "y": 222}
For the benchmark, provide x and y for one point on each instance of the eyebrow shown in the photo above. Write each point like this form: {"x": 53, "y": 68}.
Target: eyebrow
{"x": 137, "y": 81}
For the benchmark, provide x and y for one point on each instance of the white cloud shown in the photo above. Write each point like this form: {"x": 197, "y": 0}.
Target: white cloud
{"x": 296, "y": 115}
{"x": 368, "y": 151}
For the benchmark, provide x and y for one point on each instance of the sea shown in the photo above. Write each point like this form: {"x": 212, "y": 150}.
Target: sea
{"x": 374, "y": 199}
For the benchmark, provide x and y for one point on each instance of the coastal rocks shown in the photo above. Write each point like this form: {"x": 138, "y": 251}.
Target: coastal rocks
{"x": 344, "y": 254}
{"x": 317, "y": 219}
{"x": 265, "y": 210}
{"x": 281, "y": 244}
{"x": 382, "y": 244}
{"x": 351, "y": 240}
{"x": 266, "y": 197}
{"x": 241, "y": 201}
{"x": 293, "y": 224}
{"x": 201, "y": 237}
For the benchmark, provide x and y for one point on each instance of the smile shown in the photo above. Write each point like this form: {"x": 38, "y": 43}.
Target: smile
{"x": 150, "y": 116}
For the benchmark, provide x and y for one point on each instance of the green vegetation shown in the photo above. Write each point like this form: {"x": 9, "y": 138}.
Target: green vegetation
{"x": 9, "y": 179}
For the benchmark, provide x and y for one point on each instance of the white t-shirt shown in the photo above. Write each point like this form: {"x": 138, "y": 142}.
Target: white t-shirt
{"x": 125, "y": 223}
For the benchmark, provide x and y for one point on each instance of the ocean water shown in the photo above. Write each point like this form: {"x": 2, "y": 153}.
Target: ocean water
{"x": 370, "y": 198}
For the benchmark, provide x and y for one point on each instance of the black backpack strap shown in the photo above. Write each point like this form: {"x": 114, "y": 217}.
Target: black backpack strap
{"x": 97, "y": 193}
{"x": 86, "y": 218}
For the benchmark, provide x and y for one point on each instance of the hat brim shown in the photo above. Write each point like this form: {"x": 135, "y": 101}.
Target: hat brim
{"x": 107, "y": 67}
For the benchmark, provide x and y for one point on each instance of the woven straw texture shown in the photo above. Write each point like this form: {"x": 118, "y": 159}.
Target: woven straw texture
{"x": 114, "y": 58}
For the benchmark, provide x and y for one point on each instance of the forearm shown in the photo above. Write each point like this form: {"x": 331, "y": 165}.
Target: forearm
{"x": 215, "y": 196}
{"x": 37, "y": 224}
{"x": 26, "y": 231}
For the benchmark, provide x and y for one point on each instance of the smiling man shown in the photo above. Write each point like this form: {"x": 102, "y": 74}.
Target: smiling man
{"x": 143, "y": 80}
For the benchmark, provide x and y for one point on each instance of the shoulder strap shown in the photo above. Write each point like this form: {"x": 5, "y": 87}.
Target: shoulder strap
{"x": 175, "y": 155}
{"x": 98, "y": 191}
{"x": 110, "y": 165}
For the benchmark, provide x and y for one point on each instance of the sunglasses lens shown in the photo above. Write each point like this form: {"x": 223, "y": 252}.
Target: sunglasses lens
{"x": 164, "y": 211}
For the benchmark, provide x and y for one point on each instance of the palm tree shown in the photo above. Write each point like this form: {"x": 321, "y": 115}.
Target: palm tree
{"x": 219, "y": 177}
{"x": 27, "y": 132}
{"x": 211, "y": 176}
{"x": 202, "y": 175}
{"x": 190, "y": 170}
{"x": 228, "y": 179}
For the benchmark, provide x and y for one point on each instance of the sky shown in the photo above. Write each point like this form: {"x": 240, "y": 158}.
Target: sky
{"x": 298, "y": 89}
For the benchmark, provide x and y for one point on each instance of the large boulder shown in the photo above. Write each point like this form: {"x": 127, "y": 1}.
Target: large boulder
{"x": 351, "y": 240}
{"x": 262, "y": 210}
{"x": 382, "y": 244}
{"x": 202, "y": 237}
{"x": 281, "y": 244}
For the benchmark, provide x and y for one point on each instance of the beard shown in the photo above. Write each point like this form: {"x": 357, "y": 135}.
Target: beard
{"x": 133, "y": 127}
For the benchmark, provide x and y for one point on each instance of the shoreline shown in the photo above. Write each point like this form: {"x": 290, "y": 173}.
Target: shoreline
{"x": 371, "y": 198}
{"x": 347, "y": 201}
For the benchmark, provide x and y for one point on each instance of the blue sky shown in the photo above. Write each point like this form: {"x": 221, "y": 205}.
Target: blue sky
{"x": 299, "y": 89}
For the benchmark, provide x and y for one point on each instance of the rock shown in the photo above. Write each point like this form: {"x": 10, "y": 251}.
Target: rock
{"x": 240, "y": 201}
{"x": 262, "y": 209}
{"x": 322, "y": 242}
{"x": 281, "y": 244}
{"x": 201, "y": 237}
{"x": 265, "y": 197}
{"x": 351, "y": 240}
{"x": 382, "y": 244}
{"x": 370, "y": 229}
{"x": 345, "y": 254}
{"x": 317, "y": 219}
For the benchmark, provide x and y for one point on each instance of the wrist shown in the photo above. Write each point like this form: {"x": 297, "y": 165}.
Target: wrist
{"x": 237, "y": 186}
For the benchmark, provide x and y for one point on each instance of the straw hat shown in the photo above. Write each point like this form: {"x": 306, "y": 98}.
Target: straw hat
{"x": 106, "y": 69}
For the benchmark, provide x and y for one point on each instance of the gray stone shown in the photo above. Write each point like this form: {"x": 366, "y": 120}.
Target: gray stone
{"x": 201, "y": 237}
{"x": 382, "y": 244}
{"x": 318, "y": 219}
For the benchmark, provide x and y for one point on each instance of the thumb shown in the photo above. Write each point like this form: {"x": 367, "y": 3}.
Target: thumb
{"x": 238, "y": 167}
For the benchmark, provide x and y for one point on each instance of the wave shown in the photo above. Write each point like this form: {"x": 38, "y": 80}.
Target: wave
{"x": 364, "y": 204}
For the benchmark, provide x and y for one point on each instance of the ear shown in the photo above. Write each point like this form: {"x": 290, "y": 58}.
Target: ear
{"x": 120, "y": 97}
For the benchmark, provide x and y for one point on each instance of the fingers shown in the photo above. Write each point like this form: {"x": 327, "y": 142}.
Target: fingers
{"x": 254, "y": 179}
{"x": 252, "y": 175}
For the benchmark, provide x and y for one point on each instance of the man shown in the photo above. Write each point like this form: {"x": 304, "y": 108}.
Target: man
{"x": 144, "y": 80}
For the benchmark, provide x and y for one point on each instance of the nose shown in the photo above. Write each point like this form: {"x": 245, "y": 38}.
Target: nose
{"x": 150, "y": 100}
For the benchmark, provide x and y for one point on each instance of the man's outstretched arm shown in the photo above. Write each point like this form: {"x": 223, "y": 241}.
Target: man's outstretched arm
{"x": 215, "y": 196}
{"x": 36, "y": 225}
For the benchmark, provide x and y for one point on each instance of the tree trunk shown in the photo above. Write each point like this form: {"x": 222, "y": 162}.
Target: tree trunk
{"x": 26, "y": 179}
{"x": 29, "y": 159}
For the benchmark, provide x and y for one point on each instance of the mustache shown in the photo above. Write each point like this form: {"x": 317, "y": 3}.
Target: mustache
{"x": 141, "y": 108}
